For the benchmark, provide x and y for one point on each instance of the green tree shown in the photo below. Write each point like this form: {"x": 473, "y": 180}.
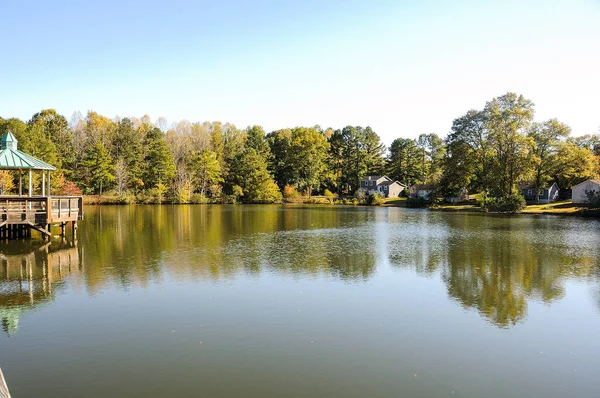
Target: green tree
{"x": 158, "y": 162}
{"x": 458, "y": 168}
{"x": 249, "y": 171}
{"x": 546, "y": 137}
{"x": 574, "y": 165}
{"x": 361, "y": 154}
{"x": 280, "y": 142}
{"x": 374, "y": 152}
{"x": 470, "y": 136}
{"x": 206, "y": 171}
{"x": 300, "y": 158}
{"x": 308, "y": 157}
{"x": 99, "y": 167}
{"x": 255, "y": 138}
{"x": 509, "y": 117}
{"x": 405, "y": 161}
{"x": 56, "y": 129}
{"x": 128, "y": 146}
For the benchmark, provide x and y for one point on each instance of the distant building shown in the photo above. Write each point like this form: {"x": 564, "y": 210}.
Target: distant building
{"x": 461, "y": 196}
{"x": 579, "y": 191}
{"x": 548, "y": 193}
{"x": 382, "y": 185}
{"x": 421, "y": 191}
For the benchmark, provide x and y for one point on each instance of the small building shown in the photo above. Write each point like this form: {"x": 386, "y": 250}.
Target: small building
{"x": 580, "y": 191}
{"x": 547, "y": 194}
{"x": 421, "y": 191}
{"x": 462, "y": 195}
{"x": 382, "y": 185}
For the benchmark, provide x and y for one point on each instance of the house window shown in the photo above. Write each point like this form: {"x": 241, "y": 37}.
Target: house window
{"x": 372, "y": 183}
{"x": 541, "y": 192}
{"x": 529, "y": 192}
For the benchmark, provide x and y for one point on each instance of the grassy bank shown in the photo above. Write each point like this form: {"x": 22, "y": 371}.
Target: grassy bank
{"x": 557, "y": 208}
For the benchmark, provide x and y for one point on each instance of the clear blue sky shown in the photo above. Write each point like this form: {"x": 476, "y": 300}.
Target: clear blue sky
{"x": 402, "y": 67}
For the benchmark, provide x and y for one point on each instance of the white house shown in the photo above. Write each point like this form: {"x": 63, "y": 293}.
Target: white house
{"x": 580, "y": 190}
{"x": 421, "y": 191}
{"x": 382, "y": 185}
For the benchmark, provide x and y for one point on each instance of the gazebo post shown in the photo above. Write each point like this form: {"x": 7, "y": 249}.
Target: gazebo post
{"x": 43, "y": 183}
{"x": 49, "y": 194}
{"x": 20, "y": 182}
{"x": 30, "y": 184}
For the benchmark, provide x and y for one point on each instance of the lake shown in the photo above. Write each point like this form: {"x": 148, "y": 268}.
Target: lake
{"x": 293, "y": 301}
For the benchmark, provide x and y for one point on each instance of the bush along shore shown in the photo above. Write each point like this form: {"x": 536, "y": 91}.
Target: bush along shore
{"x": 472, "y": 206}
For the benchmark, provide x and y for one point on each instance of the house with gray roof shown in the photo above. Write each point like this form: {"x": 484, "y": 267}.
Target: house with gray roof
{"x": 382, "y": 185}
{"x": 547, "y": 193}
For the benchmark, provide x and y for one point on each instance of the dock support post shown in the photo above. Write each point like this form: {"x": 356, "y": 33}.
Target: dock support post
{"x": 62, "y": 228}
{"x": 4, "y": 393}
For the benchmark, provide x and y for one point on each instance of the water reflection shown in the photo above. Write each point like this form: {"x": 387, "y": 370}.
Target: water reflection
{"x": 31, "y": 275}
{"x": 495, "y": 265}
{"x": 491, "y": 264}
{"x": 135, "y": 245}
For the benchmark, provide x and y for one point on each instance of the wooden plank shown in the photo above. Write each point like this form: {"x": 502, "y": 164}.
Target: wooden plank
{"x": 3, "y": 387}
{"x": 40, "y": 230}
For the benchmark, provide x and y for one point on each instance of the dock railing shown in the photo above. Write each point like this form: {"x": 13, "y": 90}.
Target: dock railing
{"x": 40, "y": 210}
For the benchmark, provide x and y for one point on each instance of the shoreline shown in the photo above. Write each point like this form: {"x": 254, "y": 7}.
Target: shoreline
{"x": 557, "y": 208}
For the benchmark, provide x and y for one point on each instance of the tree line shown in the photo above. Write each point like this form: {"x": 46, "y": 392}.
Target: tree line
{"x": 487, "y": 151}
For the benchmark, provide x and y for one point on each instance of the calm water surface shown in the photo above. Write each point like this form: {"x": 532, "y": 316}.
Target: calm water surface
{"x": 272, "y": 301}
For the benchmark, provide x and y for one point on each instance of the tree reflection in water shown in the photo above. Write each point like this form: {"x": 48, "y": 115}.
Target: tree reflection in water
{"x": 496, "y": 264}
{"x": 492, "y": 264}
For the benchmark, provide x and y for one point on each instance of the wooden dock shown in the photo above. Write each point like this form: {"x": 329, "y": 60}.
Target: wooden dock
{"x": 3, "y": 387}
{"x": 21, "y": 214}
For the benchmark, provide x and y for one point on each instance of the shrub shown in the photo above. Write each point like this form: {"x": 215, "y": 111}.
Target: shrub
{"x": 360, "y": 195}
{"x": 417, "y": 202}
{"x": 197, "y": 198}
{"x": 125, "y": 199}
{"x": 329, "y": 195}
{"x": 70, "y": 189}
{"x": 375, "y": 200}
{"x": 593, "y": 198}
{"x": 291, "y": 195}
{"x": 512, "y": 203}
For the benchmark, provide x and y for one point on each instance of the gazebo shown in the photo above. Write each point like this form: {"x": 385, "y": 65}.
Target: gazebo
{"x": 13, "y": 159}
{"x": 21, "y": 213}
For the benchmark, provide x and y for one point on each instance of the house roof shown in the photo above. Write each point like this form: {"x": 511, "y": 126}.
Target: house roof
{"x": 592, "y": 180}
{"x": 12, "y": 158}
{"x": 372, "y": 178}
{"x": 531, "y": 185}
{"x": 424, "y": 187}
{"x": 392, "y": 183}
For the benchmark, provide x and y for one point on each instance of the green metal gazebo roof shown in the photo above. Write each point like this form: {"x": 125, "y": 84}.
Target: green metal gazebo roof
{"x": 12, "y": 158}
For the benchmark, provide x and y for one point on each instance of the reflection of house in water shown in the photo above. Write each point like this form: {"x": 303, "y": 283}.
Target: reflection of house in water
{"x": 29, "y": 275}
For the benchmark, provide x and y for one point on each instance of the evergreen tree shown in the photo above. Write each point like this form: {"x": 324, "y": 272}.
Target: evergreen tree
{"x": 99, "y": 167}
{"x": 158, "y": 162}
{"x": 250, "y": 172}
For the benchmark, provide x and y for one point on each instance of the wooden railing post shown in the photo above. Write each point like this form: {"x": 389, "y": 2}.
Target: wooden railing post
{"x": 48, "y": 209}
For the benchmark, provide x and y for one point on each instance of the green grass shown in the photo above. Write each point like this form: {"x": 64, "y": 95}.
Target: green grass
{"x": 395, "y": 202}
{"x": 554, "y": 208}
